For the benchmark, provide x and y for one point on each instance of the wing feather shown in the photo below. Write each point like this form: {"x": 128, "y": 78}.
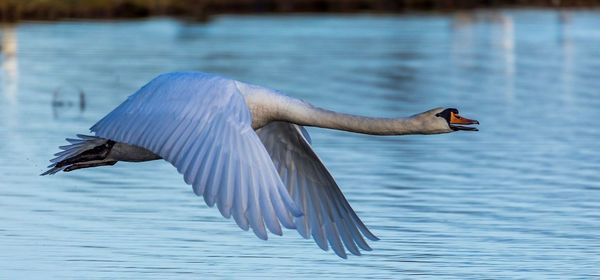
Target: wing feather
{"x": 328, "y": 217}
{"x": 200, "y": 123}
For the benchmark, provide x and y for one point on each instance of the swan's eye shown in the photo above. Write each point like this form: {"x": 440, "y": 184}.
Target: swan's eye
{"x": 447, "y": 113}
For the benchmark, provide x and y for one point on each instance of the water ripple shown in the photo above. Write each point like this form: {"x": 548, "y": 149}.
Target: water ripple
{"x": 519, "y": 199}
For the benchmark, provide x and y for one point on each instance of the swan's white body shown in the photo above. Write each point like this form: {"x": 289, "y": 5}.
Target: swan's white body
{"x": 242, "y": 147}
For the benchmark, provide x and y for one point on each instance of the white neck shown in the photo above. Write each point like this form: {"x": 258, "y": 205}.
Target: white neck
{"x": 267, "y": 106}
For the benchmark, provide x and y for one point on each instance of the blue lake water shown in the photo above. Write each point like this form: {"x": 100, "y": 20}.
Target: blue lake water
{"x": 518, "y": 199}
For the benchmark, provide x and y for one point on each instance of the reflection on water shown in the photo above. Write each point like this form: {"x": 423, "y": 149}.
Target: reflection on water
{"x": 564, "y": 40}
{"x": 68, "y": 100}
{"x": 519, "y": 199}
{"x": 10, "y": 67}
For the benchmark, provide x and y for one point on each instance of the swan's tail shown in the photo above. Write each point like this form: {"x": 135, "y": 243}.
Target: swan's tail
{"x": 87, "y": 151}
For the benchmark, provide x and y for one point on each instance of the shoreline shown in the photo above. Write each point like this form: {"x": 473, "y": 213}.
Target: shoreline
{"x": 63, "y": 10}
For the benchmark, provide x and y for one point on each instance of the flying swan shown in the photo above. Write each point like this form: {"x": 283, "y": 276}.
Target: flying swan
{"x": 243, "y": 147}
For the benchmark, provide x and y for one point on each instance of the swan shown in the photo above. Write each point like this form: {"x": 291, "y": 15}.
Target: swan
{"x": 243, "y": 148}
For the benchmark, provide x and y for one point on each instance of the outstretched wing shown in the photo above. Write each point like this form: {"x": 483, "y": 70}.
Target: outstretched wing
{"x": 328, "y": 216}
{"x": 201, "y": 124}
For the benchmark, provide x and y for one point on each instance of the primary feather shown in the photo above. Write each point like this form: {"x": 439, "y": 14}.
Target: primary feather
{"x": 205, "y": 131}
{"x": 328, "y": 217}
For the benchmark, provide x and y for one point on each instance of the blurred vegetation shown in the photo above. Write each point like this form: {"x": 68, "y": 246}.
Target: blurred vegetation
{"x": 13, "y": 10}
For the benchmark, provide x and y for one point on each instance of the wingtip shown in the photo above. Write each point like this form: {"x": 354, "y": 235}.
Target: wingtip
{"x": 342, "y": 255}
{"x": 357, "y": 253}
{"x": 262, "y": 237}
{"x": 372, "y": 237}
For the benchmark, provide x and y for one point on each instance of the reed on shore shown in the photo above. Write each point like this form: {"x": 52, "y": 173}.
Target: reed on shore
{"x": 14, "y": 10}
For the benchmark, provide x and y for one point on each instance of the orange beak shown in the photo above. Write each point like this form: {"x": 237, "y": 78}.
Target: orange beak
{"x": 457, "y": 119}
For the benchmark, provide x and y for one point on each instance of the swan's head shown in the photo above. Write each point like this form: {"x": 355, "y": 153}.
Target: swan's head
{"x": 456, "y": 122}
{"x": 443, "y": 120}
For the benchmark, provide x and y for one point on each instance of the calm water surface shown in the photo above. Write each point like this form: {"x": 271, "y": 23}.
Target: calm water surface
{"x": 519, "y": 199}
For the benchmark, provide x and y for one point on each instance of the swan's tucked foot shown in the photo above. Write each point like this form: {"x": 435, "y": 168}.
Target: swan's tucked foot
{"x": 92, "y": 151}
{"x": 84, "y": 151}
{"x": 95, "y": 154}
{"x": 88, "y": 165}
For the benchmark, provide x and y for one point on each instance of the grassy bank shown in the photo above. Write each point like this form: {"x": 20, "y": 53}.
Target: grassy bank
{"x": 14, "y": 10}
